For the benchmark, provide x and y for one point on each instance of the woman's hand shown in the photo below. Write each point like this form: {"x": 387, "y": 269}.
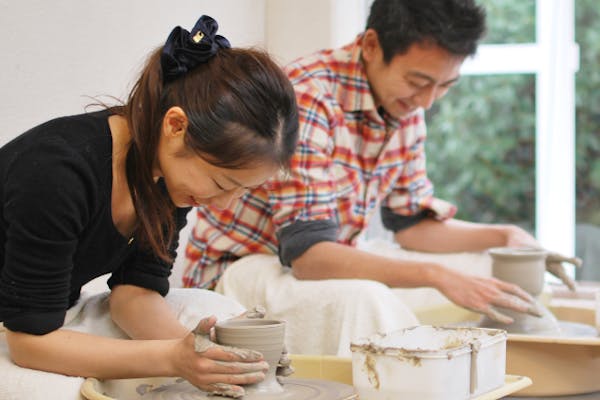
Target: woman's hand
{"x": 482, "y": 295}
{"x": 217, "y": 369}
{"x": 284, "y": 365}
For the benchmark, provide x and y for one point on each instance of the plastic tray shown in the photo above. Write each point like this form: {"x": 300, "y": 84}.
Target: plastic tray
{"x": 340, "y": 370}
{"x": 557, "y": 366}
{"x": 317, "y": 367}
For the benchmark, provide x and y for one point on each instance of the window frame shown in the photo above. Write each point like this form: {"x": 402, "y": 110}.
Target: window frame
{"x": 554, "y": 60}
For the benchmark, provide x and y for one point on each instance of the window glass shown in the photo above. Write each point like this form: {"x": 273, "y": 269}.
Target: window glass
{"x": 481, "y": 136}
{"x": 587, "y": 95}
{"x": 509, "y": 21}
{"x": 481, "y": 148}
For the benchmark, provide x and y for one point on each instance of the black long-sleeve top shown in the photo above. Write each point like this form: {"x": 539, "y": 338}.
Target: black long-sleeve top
{"x": 56, "y": 227}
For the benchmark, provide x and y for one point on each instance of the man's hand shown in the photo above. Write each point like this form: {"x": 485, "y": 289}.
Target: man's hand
{"x": 555, "y": 267}
{"x": 483, "y": 295}
{"x": 517, "y": 237}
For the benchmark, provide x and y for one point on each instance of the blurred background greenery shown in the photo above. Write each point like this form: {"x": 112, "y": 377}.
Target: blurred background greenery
{"x": 481, "y": 141}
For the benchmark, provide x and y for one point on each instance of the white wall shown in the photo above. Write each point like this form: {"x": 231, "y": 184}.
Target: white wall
{"x": 55, "y": 53}
{"x": 297, "y": 28}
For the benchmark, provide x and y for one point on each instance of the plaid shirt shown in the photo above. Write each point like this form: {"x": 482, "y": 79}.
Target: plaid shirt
{"x": 349, "y": 160}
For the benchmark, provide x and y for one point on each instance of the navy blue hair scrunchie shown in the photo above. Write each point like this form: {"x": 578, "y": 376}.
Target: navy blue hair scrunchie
{"x": 184, "y": 50}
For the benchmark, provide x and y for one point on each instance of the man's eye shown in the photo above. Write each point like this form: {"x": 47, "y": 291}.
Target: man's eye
{"x": 416, "y": 85}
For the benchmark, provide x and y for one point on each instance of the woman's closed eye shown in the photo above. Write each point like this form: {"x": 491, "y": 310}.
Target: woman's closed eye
{"x": 225, "y": 189}
{"x": 221, "y": 188}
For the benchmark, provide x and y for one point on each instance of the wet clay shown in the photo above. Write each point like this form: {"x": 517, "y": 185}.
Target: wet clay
{"x": 247, "y": 338}
{"x": 525, "y": 267}
{"x": 257, "y": 335}
{"x": 202, "y": 343}
{"x": 370, "y": 366}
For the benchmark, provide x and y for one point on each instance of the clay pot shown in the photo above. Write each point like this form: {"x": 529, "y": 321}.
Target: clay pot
{"x": 265, "y": 336}
{"x": 522, "y": 266}
{"x": 525, "y": 267}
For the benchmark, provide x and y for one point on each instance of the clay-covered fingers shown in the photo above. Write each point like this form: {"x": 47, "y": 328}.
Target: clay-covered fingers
{"x": 496, "y": 315}
{"x": 224, "y": 389}
{"x": 515, "y": 303}
{"x": 231, "y": 379}
{"x": 206, "y": 348}
{"x": 235, "y": 367}
{"x": 554, "y": 266}
{"x": 559, "y": 258}
{"x": 515, "y": 298}
{"x": 205, "y": 325}
{"x": 557, "y": 269}
{"x": 226, "y": 378}
{"x": 217, "y": 369}
{"x": 504, "y": 295}
{"x": 220, "y": 373}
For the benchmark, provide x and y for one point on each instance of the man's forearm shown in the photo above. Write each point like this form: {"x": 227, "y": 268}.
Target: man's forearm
{"x": 452, "y": 236}
{"x": 329, "y": 260}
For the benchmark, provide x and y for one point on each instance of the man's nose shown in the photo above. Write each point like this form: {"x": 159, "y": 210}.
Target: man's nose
{"x": 426, "y": 96}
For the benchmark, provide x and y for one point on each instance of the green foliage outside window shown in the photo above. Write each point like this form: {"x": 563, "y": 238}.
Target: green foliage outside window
{"x": 509, "y": 21}
{"x": 481, "y": 136}
{"x": 587, "y": 100}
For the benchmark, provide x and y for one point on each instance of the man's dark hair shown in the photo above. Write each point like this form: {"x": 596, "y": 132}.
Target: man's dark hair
{"x": 454, "y": 25}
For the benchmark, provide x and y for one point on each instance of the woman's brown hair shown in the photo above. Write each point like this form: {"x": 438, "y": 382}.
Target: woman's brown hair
{"x": 241, "y": 110}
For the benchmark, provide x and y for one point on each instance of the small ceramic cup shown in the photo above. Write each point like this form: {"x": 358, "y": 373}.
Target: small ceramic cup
{"x": 263, "y": 335}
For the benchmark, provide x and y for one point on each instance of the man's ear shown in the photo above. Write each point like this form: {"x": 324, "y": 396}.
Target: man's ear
{"x": 175, "y": 122}
{"x": 371, "y": 48}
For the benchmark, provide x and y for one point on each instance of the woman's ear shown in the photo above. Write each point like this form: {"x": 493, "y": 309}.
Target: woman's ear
{"x": 175, "y": 122}
{"x": 371, "y": 48}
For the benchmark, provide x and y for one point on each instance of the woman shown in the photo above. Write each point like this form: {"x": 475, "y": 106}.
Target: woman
{"x": 108, "y": 192}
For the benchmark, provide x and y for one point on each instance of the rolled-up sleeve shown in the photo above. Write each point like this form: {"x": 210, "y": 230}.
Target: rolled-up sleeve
{"x": 298, "y": 237}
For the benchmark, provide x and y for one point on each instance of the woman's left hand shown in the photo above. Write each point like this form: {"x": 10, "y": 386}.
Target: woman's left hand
{"x": 218, "y": 370}
{"x": 284, "y": 365}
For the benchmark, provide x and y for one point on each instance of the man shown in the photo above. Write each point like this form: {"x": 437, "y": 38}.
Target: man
{"x": 361, "y": 146}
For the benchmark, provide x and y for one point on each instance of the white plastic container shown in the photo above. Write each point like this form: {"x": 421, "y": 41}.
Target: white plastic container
{"x": 429, "y": 363}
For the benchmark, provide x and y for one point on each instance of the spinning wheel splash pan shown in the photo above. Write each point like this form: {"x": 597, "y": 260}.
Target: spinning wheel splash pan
{"x": 558, "y": 366}
{"x": 176, "y": 389}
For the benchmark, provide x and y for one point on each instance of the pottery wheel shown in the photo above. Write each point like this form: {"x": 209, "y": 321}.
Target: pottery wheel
{"x": 294, "y": 389}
